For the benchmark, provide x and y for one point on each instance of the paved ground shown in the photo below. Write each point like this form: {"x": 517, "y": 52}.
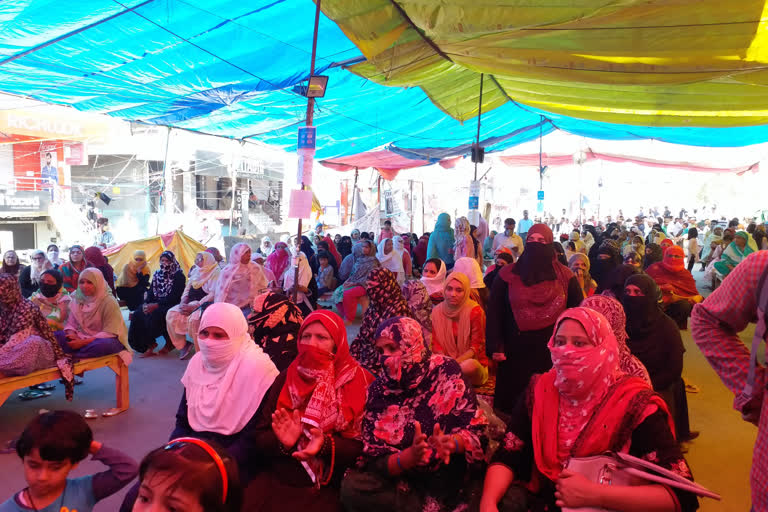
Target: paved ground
{"x": 720, "y": 457}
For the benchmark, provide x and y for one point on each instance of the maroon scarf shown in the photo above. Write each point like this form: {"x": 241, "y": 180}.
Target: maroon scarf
{"x": 538, "y": 306}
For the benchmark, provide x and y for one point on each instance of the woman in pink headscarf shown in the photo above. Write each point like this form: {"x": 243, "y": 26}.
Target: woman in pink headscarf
{"x": 584, "y": 406}
{"x": 279, "y": 261}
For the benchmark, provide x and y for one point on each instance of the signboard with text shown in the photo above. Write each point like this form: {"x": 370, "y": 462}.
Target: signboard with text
{"x": 75, "y": 153}
{"x": 307, "y": 137}
{"x": 306, "y": 161}
{"x": 54, "y": 124}
{"x": 25, "y": 201}
{"x": 300, "y": 204}
{"x": 474, "y": 195}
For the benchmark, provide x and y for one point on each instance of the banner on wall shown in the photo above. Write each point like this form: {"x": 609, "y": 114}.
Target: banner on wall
{"x": 24, "y": 201}
{"x": 75, "y": 153}
{"x": 53, "y": 124}
{"x": 49, "y": 166}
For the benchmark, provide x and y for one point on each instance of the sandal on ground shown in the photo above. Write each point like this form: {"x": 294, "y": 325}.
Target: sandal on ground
{"x": 150, "y": 351}
{"x": 90, "y": 414}
{"x": 691, "y": 388}
{"x": 112, "y": 412}
{"x": 33, "y": 394}
{"x": 186, "y": 351}
{"x": 693, "y": 434}
{"x": 47, "y": 386}
{"x": 9, "y": 447}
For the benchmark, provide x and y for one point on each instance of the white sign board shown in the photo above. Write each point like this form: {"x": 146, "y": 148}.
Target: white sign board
{"x": 306, "y": 160}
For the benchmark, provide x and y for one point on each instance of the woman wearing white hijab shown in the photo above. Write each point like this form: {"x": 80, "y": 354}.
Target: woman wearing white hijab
{"x": 199, "y": 290}
{"x": 470, "y": 268}
{"x": 224, "y": 384}
{"x": 241, "y": 280}
{"x": 53, "y": 256}
{"x": 266, "y": 246}
{"x": 95, "y": 325}
{"x": 433, "y": 279}
{"x": 390, "y": 259}
{"x": 304, "y": 295}
{"x": 399, "y": 247}
{"x": 29, "y": 277}
{"x": 238, "y": 283}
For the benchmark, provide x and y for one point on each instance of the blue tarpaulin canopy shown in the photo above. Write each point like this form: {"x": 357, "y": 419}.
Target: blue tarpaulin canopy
{"x": 228, "y": 68}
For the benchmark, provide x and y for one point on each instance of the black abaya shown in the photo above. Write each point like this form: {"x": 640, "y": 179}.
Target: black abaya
{"x": 526, "y": 351}
{"x": 134, "y": 295}
{"x": 145, "y": 328}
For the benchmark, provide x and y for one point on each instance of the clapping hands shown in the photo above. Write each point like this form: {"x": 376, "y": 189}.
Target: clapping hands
{"x": 287, "y": 427}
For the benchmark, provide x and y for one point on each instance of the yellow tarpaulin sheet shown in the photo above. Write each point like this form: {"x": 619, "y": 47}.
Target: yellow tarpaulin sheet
{"x": 646, "y": 62}
{"x": 183, "y": 247}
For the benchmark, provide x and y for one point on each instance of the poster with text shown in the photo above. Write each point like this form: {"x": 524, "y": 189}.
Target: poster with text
{"x": 49, "y": 170}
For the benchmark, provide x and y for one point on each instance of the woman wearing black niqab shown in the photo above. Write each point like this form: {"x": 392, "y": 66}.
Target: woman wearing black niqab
{"x": 607, "y": 258}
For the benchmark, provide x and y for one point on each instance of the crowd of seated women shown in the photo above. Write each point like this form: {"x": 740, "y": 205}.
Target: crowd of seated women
{"x": 391, "y": 420}
{"x": 312, "y": 427}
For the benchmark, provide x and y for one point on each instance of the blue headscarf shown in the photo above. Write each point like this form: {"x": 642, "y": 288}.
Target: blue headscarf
{"x": 441, "y": 240}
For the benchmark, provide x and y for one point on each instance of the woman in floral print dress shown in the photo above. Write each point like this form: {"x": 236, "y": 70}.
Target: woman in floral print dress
{"x": 387, "y": 302}
{"x": 423, "y": 433}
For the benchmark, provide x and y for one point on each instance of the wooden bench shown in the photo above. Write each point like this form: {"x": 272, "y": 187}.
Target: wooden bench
{"x": 10, "y": 384}
{"x": 716, "y": 280}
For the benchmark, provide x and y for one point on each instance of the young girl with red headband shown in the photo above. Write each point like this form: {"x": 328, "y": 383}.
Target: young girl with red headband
{"x": 189, "y": 474}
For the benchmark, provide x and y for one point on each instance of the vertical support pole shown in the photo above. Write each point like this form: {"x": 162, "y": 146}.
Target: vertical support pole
{"x": 474, "y": 187}
{"x": 423, "y": 226}
{"x": 479, "y": 115}
{"x": 167, "y": 178}
{"x": 541, "y": 146}
{"x": 410, "y": 203}
{"x": 354, "y": 190}
{"x": 165, "y": 182}
{"x": 310, "y": 118}
{"x": 232, "y": 189}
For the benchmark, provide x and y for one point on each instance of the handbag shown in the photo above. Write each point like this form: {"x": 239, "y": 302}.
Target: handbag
{"x": 622, "y": 469}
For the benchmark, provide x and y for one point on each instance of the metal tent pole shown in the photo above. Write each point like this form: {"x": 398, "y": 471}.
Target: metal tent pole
{"x": 166, "y": 173}
{"x": 354, "y": 190}
{"x": 410, "y": 203}
{"x": 310, "y": 116}
{"x": 479, "y": 115}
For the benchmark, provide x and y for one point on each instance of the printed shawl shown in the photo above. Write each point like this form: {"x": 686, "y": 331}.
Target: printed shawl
{"x": 387, "y": 301}
{"x": 19, "y": 316}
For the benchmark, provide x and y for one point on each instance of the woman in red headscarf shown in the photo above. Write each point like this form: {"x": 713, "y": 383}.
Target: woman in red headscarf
{"x": 420, "y": 252}
{"x": 96, "y": 258}
{"x": 333, "y": 250}
{"x": 570, "y": 412}
{"x": 678, "y": 288}
{"x": 526, "y": 299}
{"x": 312, "y": 417}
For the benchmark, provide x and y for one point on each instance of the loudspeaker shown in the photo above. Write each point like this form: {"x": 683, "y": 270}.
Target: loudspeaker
{"x": 478, "y": 153}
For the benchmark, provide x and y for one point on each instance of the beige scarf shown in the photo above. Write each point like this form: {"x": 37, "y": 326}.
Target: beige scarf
{"x": 445, "y": 314}
{"x": 128, "y": 277}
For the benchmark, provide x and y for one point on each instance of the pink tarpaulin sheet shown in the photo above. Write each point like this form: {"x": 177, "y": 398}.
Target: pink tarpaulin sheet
{"x": 387, "y": 163}
{"x": 557, "y": 160}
